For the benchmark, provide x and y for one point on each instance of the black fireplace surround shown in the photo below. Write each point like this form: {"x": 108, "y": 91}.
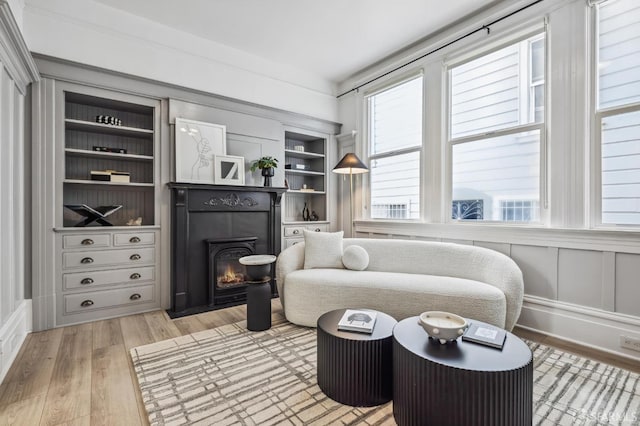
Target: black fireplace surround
{"x": 201, "y": 214}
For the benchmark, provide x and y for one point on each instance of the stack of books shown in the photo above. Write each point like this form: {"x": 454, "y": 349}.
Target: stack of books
{"x": 358, "y": 320}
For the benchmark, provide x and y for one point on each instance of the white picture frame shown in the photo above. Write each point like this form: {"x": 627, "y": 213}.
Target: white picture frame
{"x": 228, "y": 170}
{"x": 196, "y": 145}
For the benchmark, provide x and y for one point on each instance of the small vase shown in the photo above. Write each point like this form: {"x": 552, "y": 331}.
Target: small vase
{"x": 305, "y": 213}
{"x": 268, "y": 174}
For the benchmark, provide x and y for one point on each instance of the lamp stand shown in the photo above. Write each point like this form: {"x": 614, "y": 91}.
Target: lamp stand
{"x": 351, "y": 203}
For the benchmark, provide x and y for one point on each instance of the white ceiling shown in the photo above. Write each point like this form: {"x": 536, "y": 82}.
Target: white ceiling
{"x": 330, "y": 38}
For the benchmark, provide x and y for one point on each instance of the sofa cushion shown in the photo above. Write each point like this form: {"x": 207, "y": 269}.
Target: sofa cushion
{"x": 310, "y": 293}
{"x": 355, "y": 257}
{"x": 322, "y": 249}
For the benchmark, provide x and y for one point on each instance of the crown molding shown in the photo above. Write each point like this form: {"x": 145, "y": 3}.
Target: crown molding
{"x": 14, "y": 53}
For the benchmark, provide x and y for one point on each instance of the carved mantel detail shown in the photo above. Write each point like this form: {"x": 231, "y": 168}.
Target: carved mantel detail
{"x": 231, "y": 200}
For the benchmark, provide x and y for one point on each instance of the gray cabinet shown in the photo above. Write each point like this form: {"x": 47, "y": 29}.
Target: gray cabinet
{"x": 104, "y": 153}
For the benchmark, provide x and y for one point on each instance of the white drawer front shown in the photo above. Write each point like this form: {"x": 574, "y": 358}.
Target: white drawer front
{"x": 320, "y": 227}
{"x": 81, "y": 302}
{"x": 92, "y": 279}
{"x": 86, "y": 241}
{"x": 294, "y": 231}
{"x": 292, "y": 241}
{"x": 134, "y": 239}
{"x": 91, "y": 259}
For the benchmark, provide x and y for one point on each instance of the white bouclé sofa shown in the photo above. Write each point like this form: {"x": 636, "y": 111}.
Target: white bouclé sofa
{"x": 404, "y": 278}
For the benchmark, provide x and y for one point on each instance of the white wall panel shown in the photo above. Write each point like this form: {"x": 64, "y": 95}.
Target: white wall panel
{"x": 627, "y": 284}
{"x": 580, "y": 277}
{"x": 539, "y": 266}
{"x": 499, "y": 247}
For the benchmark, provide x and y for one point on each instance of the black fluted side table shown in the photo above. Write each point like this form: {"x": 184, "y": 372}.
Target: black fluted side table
{"x": 460, "y": 383}
{"x": 355, "y": 368}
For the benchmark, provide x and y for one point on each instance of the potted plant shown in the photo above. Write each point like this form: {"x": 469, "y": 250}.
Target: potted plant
{"x": 267, "y": 165}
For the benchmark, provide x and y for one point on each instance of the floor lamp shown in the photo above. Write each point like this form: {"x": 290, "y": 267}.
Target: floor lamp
{"x": 350, "y": 164}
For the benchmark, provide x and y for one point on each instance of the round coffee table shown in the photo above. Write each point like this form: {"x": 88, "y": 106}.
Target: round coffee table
{"x": 460, "y": 383}
{"x": 355, "y": 368}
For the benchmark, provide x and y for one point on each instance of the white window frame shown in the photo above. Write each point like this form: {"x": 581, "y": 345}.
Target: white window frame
{"x": 540, "y": 127}
{"x": 599, "y": 115}
{"x": 418, "y": 148}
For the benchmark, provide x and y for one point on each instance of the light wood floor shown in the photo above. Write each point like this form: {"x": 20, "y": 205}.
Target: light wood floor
{"x": 83, "y": 375}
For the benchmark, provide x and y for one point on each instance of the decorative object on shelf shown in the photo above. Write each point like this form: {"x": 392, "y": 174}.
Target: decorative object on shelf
{"x": 485, "y": 334}
{"x": 305, "y": 213}
{"x": 299, "y": 148}
{"x": 135, "y": 222}
{"x": 107, "y": 149}
{"x": 107, "y": 119}
{"x": 196, "y": 145}
{"x": 97, "y": 214}
{"x": 267, "y": 165}
{"x": 314, "y": 216}
{"x": 228, "y": 170}
{"x": 358, "y": 320}
{"x": 443, "y": 326}
{"x": 110, "y": 176}
{"x": 350, "y": 164}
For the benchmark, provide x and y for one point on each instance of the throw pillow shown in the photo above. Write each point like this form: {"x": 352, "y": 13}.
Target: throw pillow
{"x": 322, "y": 249}
{"x": 356, "y": 258}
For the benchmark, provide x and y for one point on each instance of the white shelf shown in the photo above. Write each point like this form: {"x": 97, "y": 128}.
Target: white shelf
{"x": 303, "y": 172}
{"x": 101, "y": 154}
{"x": 100, "y": 182}
{"x": 302, "y": 154}
{"x": 90, "y": 126}
{"x": 299, "y": 191}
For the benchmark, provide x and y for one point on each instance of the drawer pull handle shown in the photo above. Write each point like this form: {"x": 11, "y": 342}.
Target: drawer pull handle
{"x": 135, "y": 296}
{"x": 86, "y": 260}
{"x": 317, "y": 229}
{"x": 296, "y": 231}
{"x": 135, "y": 257}
{"x": 86, "y": 281}
{"x": 135, "y": 276}
{"x": 86, "y": 303}
{"x": 134, "y": 240}
{"x": 87, "y": 242}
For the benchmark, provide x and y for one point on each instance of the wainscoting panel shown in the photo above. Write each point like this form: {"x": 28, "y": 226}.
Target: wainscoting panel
{"x": 499, "y": 247}
{"x": 627, "y": 284}
{"x": 580, "y": 277}
{"x": 539, "y": 267}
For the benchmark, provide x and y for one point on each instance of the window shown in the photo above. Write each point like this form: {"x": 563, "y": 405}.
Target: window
{"x": 496, "y": 125}
{"x": 395, "y": 144}
{"x": 618, "y": 111}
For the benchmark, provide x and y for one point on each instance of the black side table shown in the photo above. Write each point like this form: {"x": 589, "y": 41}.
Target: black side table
{"x": 355, "y": 368}
{"x": 259, "y": 306}
{"x": 460, "y": 383}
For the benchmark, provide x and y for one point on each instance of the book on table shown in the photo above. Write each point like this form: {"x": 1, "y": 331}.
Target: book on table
{"x": 485, "y": 334}
{"x": 358, "y": 320}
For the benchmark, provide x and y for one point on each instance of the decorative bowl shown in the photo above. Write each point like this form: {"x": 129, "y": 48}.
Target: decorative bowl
{"x": 258, "y": 266}
{"x": 443, "y": 326}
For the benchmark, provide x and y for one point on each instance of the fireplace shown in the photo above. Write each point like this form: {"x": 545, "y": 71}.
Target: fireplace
{"x": 212, "y": 227}
{"x": 227, "y": 277}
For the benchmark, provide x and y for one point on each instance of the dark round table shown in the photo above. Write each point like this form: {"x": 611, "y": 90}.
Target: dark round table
{"x": 355, "y": 368}
{"x": 460, "y": 383}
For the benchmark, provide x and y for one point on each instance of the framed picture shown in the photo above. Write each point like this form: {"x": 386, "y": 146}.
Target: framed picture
{"x": 229, "y": 170}
{"x": 196, "y": 145}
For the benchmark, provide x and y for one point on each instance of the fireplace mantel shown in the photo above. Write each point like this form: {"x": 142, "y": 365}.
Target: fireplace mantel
{"x": 202, "y": 212}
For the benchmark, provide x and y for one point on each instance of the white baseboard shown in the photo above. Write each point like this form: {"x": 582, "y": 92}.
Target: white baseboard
{"x": 13, "y": 334}
{"x": 579, "y": 324}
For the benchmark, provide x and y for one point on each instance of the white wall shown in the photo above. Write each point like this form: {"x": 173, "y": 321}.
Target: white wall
{"x": 91, "y": 33}
{"x": 16, "y": 72}
{"x": 580, "y": 283}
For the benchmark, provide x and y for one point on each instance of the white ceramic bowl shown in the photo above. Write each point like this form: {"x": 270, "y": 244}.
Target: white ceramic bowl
{"x": 443, "y": 326}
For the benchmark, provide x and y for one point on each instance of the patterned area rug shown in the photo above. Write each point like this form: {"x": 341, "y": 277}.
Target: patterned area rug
{"x": 229, "y": 375}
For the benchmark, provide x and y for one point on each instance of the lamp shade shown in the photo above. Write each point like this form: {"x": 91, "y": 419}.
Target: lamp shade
{"x": 350, "y": 163}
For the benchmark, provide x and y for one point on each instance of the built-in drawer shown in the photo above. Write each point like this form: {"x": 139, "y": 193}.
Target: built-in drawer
{"x": 319, "y": 227}
{"x": 86, "y": 241}
{"x": 293, "y": 231}
{"x": 134, "y": 238}
{"x": 91, "y": 259}
{"x": 92, "y": 279}
{"x": 292, "y": 241}
{"x": 74, "y": 303}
